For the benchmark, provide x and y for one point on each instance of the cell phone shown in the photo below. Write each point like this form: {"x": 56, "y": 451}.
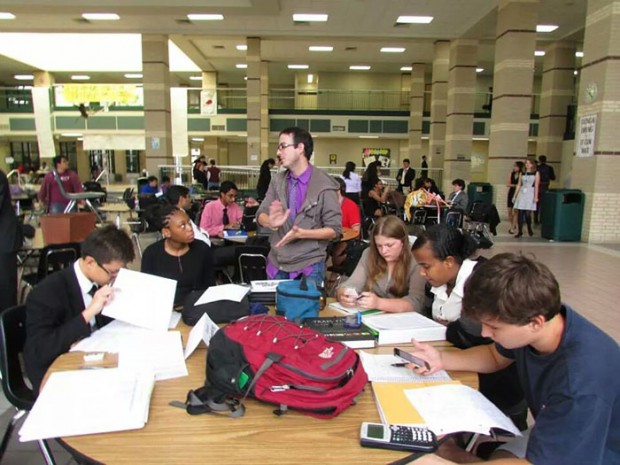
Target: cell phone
{"x": 399, "y": 437}
{"x": 417, "y": 361}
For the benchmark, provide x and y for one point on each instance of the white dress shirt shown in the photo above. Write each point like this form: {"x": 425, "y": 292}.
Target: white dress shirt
{"x": 448, "y": 307}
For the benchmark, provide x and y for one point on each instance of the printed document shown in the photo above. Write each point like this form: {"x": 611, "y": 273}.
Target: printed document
{"x": 202, "y": 331}
{"x": 379, "y": 368}
{"x": 142, "y": 299}
{"x": 232, "y": 292}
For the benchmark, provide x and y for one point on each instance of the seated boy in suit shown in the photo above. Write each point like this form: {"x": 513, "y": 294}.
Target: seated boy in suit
{"x": 65, "y": 307}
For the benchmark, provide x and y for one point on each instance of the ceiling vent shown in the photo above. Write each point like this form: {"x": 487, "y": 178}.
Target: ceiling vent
{"x": 401, "y": 25}
{"x": 81, "y": 20}
{"x": 350, "y": 49}
{"x": 219, "y": 47}
{"x": 218, "y": 127}
{"x": 183, "y": 21}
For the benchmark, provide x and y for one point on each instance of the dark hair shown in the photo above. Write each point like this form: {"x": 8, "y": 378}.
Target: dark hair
{"x": 341, "y": 184}
{"x": 447, "y": 241}
{"x": 521, "y": 166}
{"x": 265, "y": 165}
{"x": 174, "y": 194}
{"x": 165, "y": 178}
{"x": 348, "y": 168}
{"x": 57, "y": 159}
{"x": 542, "y": 159}
{"x": 212, "y": 162}
{"x": 372, "y": 171}
{"x": 108, "y": 244}
{"x": 301, "y": 136}
{"x": 459, "y": 182}
{"x": 512, "y": 288}
{"x": 158, "y": 215}
{"x": 150, "y": 179}
{"x": 406, "y": 160}
{"x": 418, "y": 184}
{"x": 227, "y": 186}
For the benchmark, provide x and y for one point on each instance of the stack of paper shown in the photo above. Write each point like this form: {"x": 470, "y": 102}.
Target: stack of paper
{"x": 398, "y": 328}
{"x": 232, "y": 292}
{"x": 74, "y": 403}
{"x": 268, "y": 285}
{"x": 380, "y": 368}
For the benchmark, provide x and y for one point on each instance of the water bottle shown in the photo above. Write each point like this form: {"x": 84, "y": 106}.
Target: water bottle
{"x": 17, "y": 208}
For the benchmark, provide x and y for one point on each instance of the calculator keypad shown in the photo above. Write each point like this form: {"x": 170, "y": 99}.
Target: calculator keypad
{"x": 409, "y": 435}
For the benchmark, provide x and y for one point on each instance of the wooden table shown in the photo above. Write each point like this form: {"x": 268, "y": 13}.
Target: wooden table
{"x": 260, "y": 437}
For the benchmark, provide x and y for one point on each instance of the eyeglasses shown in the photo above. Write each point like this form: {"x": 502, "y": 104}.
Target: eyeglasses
{"x": 111, "y": 274}
{"x": 283, "y": 146}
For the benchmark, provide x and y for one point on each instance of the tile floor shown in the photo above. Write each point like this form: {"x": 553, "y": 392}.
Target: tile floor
{"x": 588, "y": 276}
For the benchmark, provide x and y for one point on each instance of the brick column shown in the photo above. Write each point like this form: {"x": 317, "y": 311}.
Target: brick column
{"x": 258, "y": 104}
{"x": 439, "y": 95}
{"x": 157, "y": 116}
{"x": 460, "y": 111}
{"x": 599, "y": 94}
{"x": 512, "y": 92}
{"x": 416, "y": 110}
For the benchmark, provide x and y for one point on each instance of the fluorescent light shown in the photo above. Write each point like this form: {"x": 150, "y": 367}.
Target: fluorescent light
{"x": 546, "y": 27}
{"x": 241, "y": 47}
{"x": 298, "y": 66}
{"x": 133, "y": 76}
{"x": 406, "y": 68}
{"x": 312, "y": 18}
{"x": 310, "y": 78}
{"x": 241, "y": 66}
{"x": 80, "y": 77}
{"x": 195, "y": 78}
{"x": 575, "y": 72}
{"x": 71, "y": 134}
{"x": 101, "y": 16}
{"x": 6, "y": 15}
{"x": 321, "y": 48}
{"x": 245, "y": 78}
{"x": 479, "y": 70}
{"x": 368, "y": 137}
{"x": 359, "y": 67}
{"x": 198, "y": 139}
{"x": 414, "y": 19}
{"x": 392, "y": 49}
{"x": 204, "y": 17}
{"x": 539, "y": 53}
{"x": 579, "y": 54}
{"x": 24, "y": 77}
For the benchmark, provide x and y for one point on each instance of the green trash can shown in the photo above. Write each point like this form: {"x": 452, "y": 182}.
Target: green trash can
{"x": 481, "y": 192}
{"x": 562, "y": 214}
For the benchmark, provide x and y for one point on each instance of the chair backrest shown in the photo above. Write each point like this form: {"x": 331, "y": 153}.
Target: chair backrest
{"x": 63, "y": 192}
{"x": 418, "y": 215}
{"x": 12, "y": 339}
{"x": 55, "y": 257}
{"x": 454, "y": 218}
{"x": 252, "y": 267}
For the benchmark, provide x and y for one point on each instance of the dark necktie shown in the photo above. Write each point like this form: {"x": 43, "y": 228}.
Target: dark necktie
{"x": 99, "y": 319}
{"x": 225, "y": 220}
{"x": 93, "y": 290}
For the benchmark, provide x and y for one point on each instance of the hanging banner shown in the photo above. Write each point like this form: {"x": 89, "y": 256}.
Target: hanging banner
{"x": 208, "y": 102}
{"x": 587, "y": 132}
{"x": 178, "y": 117}
{"x": 118, "y": 94}
{"x": 42, "y": 121}
{"x": 381, "y": 155}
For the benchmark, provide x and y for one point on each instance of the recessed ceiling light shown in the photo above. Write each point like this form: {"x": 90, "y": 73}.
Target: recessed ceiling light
{"x": 359, "y": 67}
{"x": 312, "y": 18}
{"x": 80, "y": 77}
{"x": 6, "y": 15}
{"x": 539, "y": 53}
{"x": 71, "y": 134}
{"x": 241, "y": 47}
{"x": 298, "y": 66}
{"x": 546, "y": 27}
{"x": 204, "y": 17}
{"x": 575, "y": 72}
{"x": 133, "y": 76}
{"x": 406, "y": 68}
{"x": 414, "y": 19}
{"x": 310, "y": 78}
{"x": 198, "y": 139}
{"x": 321, "y": 48}
{"x": 24, "y": 77}
{"x": 101, "y": 16}
{"x": 479, "y": 70}
{"x": 392, "y": 49}
{"x": 195, "y": 78}
{"x": 579, "y": 54}
{"x": 241, "y": 66}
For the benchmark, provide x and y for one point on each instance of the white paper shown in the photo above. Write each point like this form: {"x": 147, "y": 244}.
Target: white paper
{"x": 142, "y": 299}
{"x": 398, "y": 328}
{"x": 451, "y": 408}
{"x": 379, "y": 368}
{"x": 175, "y": 317}
{"x": 74, "y": 403}
{"x": 137, "y": 347}
{"x": 202, "y": 331}
{"x": 399, "y": 320}
{"x": 232, "y": 292}
{"x": 268, "y": 285}
{"x": 348, "y": 310}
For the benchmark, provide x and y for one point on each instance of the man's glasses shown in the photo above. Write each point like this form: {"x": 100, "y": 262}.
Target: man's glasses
{"x": 111, "y": 274}
{"x": 283, "y": 146}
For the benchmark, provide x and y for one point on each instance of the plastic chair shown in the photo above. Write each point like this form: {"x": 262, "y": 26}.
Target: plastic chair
{"x": 252, "y": 263}
{"x": 17, "y": 392}
{"x": 74, "y": 197}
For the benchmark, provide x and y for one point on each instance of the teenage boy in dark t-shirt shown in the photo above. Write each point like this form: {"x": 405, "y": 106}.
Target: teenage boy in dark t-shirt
{"x": 567, "y": 366}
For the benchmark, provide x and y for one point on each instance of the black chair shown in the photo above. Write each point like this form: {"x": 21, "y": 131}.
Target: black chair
{"x": 74, "y": 197}
{"x": 252, "y": 263}
{"x": 17, "y": 392}
{"x": 454, "y": 218}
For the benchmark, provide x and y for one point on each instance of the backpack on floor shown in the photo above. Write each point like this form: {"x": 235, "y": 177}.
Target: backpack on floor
{"x": 272, "y": 359}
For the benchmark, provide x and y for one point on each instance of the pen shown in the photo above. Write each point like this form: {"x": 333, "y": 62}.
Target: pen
{"x": 399, "y": 365}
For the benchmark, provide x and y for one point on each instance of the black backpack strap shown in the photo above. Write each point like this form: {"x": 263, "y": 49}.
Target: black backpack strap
{"x": 201, "y": 401}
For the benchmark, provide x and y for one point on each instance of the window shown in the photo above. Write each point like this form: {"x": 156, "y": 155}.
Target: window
{"x": 132, "y": 159}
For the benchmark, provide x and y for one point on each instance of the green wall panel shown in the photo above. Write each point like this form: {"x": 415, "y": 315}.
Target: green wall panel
{"x": 304, "y": 124}
{"x": 130, "y": 122}
{"x": 479, "y": 127}
{"x": 395, "y": 127}
{"x": 199, "y": 124}
{"x": 357, "y": 125}
{"x": 376, "y": 126}
{"x": 70, "y": 122}
{"x": 21, "y": 124}
{"x": 277, "y": 125}
{"x": 426, "y": 127}
{"x": 320, "y": 125}
{"x": 101, "y": 122}
{"x": 236, "y": 124}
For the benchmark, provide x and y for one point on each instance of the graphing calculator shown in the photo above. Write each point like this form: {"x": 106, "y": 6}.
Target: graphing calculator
{"x": 398, "y": 437}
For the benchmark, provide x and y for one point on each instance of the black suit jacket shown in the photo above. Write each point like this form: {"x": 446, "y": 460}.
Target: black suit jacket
{"x": 53, "y": 322}
{"x": 11, "y": 238}
{"x": 409, "y": 177}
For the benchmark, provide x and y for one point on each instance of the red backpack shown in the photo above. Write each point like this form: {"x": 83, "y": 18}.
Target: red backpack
{"x": 275, "y": 360}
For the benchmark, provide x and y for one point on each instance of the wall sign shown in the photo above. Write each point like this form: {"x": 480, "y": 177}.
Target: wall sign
{"x": 587, "y": 133}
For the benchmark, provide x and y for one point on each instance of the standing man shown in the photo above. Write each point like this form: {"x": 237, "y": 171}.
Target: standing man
{"x": 424, "y": 172}
{"x": 65, "y": 307}
{"x": 546, "y": 176}
{"x": 50, "y": 193}
{"x": 302, "y": 209}
{"x": 11, "y": 240}
{"x": 213, "y": 176}
{"x": 405, "y": 176}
